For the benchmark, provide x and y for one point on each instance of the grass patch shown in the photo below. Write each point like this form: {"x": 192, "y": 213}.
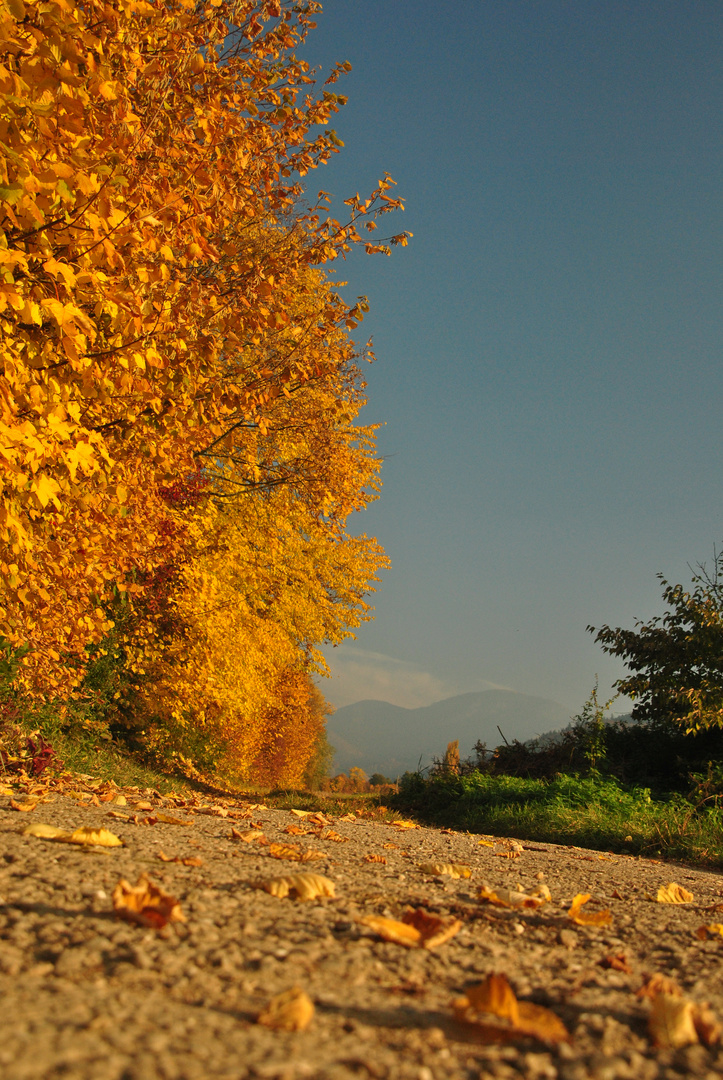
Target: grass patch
{"x": 592, "y": 812}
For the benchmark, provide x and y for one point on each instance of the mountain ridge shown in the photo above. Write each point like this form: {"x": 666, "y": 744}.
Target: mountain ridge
{"x": 391, "y": 739}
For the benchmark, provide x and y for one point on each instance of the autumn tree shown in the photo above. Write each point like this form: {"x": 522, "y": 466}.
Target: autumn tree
{"x": 675, "y": 661}
{"x": 159, "y": 300}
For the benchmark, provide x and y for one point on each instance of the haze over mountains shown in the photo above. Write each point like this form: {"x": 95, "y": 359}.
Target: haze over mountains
{"x": 383, "y": 738}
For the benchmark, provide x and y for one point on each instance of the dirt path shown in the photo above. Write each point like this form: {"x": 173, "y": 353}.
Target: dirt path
{"x": 86, "y": 995}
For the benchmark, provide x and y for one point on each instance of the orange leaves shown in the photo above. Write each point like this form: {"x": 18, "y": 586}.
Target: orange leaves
{"x": 673, "y": 894}
{"x": 587, "y": 918}
{"x": 293, "y": 1010}
{"x": 498, "y": 1016}
{"x": 294, "y": 852}
{"x": 417, "y": 929}
{"x": 145, "y": 903}
{"x": 176, "y": 342}
{"x": 674, "y": 1021}
{"x": 453, "y": 870}
{"x": 299, "y": 886}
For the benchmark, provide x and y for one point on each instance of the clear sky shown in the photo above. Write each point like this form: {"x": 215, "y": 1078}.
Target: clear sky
{"x": 549, "y": 344}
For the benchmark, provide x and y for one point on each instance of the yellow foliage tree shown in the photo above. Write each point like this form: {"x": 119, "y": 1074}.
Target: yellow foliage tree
{"x": 157, "y": 298}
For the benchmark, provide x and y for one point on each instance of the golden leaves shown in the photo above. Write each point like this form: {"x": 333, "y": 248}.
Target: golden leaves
{"x": 299, "y": 886}
{"x": 711, "y": 930}
{"x": 293, "y": 1010}
{"x": 673, "y": 894}
{"x": 371, "y": 857}
{"x": 587, "y": 918}
{"x": 453, "y": 870}
{"x": 498, "y": 1016}
{"x": 85, "y": 836}
{"x": 294, "y": 852}
{"x": 417, "y": 929}
{"x": 674, "y": 1021}
{"x": 145, "y": 903}
{"x": 510, "y": 898}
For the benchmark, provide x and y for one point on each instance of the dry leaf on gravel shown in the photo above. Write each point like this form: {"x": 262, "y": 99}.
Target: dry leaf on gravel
{"x": 618, "y": 962}
{"x": 349, "y": 817}
{"x": 45, "y": 832}
{"x": 291, "y": 1011}
{"x": 659, "y": 984}
{"x": 404, "y": 824}
{"x": 84, "y": 835}
{"x": 167, "y": 819}
{"x": 375, "y": 858}
{"x": 673, "y": 894}
{"x": 250, "y": 836}
{"x": 587, "y": 918}
{"x": 453, "y": 870}
{"x": 301, "y": 813}
{"x": 417, "y": 929}
{"x": 296, "y": 830}
{"x": 510, "y": 899}
{"x": 190, "y": 860}
{"x": 674, "y": 1022}
{"x": 146, "y": 903}
{"x": 486, "y": 843}
{"x": 294, "y": 852}
{"x": 23, "y": 807}
{"x": 711, "y": 930}
{"x": 335, "y": 836}
{"x": 498, "y": 1016}
{"x": 302, "y": 886}
{"x": 391, "y": 844}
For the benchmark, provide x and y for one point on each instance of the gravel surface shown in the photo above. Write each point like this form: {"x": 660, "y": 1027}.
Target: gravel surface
{"x": 88, "y": 995}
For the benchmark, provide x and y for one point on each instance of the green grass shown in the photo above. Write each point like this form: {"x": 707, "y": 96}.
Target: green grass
{"x": 593, "y": 812}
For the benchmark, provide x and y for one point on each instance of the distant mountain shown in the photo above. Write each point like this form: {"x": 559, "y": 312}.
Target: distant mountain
{"x": 388, "y": 739}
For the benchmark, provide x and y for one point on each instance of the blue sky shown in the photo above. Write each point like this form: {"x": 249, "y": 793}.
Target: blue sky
{"x": 549, "y": 344}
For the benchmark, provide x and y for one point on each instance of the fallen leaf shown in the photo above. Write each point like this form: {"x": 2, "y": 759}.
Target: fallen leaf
{"x": 23, "y": 807}
{"x": 301, "y": 813}
{"x": 659, "y": 984}
{"x": 296, "y": 830}
{"x": 390, "y": 845}
{"x": 189, "y": 860}
{"x": 510, "y": 899}
{"x": 303, "y": 886}
{"x": 671, "y": 1022}
{"x": 118, "y": 814}
{"x": 587, "y": 918}
{"x": 617, "y": 895}
{"x": 375, "y": 858}
{"x": 618, "y": 962}
{"x": 146, "y": 903}
{"x": 167, "y": 819}
{"x": 453, "y": 870}
{"x": 709, "y": 931}
{"x": 393, "y": 930}
{"x": 434, "y": 931}
{"x": 498, "y": 1016}
{"x": 45, "y": 832}
{"x": 251, "y": 836}
{"x": 319, "y": 819}
{"x": 143, "y": 806}
{"x": 486, "y": 843}
{"x": 294, "y": 852}
{"x": 404, "y": 824}
{"x": 349, "y": 817}
{"x": 510, "y": 854}
{"x": 335, "y": 836}
{"x": 417, "y": 929}
{"x": 673, "y": 894}
{"x": 291, "y": 1011}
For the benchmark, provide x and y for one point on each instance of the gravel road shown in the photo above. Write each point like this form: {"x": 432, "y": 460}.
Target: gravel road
{"x": 89, "y": 996}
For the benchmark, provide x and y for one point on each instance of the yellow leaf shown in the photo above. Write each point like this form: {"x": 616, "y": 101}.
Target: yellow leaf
{"x": 585, "y": 918}
{"x": 709, "y": 931}
{"x": 511, "y": 899}
{"x": 97, "y": 837}
{"x": 671, "y": 1024}
{"x": 45, "y": 832}
{"x": 291, "y": 1011}
{"x": 673, "y": 894}
{"x": 453, "y": 870}
{"x": 498, "y": 1016}
{"x": 302, "y": 886}
{"x": 146, "y": 903}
